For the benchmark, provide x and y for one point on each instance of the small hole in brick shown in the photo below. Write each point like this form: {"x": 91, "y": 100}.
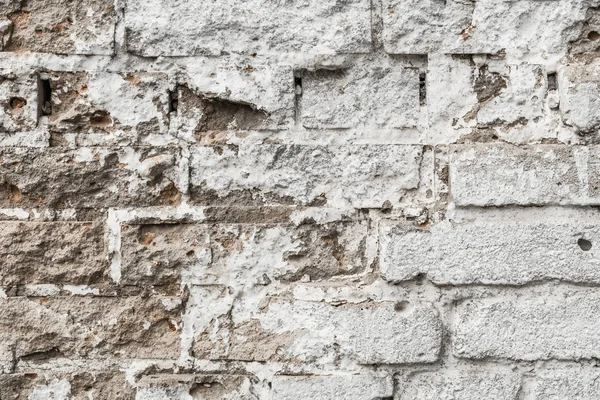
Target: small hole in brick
{"x": 552, "y": 85}
{"x": 17, "y": 102}
{"x": 100, "y": 118}
{"x": 422, "y": 88}
{"x": 584, "y": 244}
{"x": 402, "y": 306}
{"x": 593, "y": 36}
{"x": 298, "y": 84}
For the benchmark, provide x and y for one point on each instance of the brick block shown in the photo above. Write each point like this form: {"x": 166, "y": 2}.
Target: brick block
{"x": 240, "y": 254}
{"x": 508, "y": 251}
{"x": 206, "y": 387}
{"x": 528, "y": 327}
{"x": 307, "y": 332}
{"x": 52, "y": 252}
{"x": 333, "y": 387}
{"x": 89, "y": 177}
{"x": 91, "y": 327}
{"x": 155, "y": 28}
{"x": 61, "y": 26}
{"x": 355, "y": 175}
{"x": 42, "y": 385}
{"x": 574, "y": 383}
{"x": 18, "y": 101}
{"x": 579, "y": 93}
{"x": 457, "y": 384}
{"x": 363, "y": 95}
{"x": 484, "y": 27}
{"x": 128, "y": 105}
{"x": 498, "y": 175}
{"x": 486, "y": 93}
{"x": 421, "y": 27}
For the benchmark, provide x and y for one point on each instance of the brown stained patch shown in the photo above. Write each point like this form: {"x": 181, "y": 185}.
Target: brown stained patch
{"x": 17, "y": 102}
{"x": 147, "y": 238}
{"x": 132, "y": 78}
{"x": 467, "y": 32}
{"x": 488, "y": 84}
{"x": 218, "y": 114}
{"x": 14, "y": 193}
{"x": 171, "y": 194}
{"x": 479, "y": 135}
{"x": 19, "y": 17}
{"x": 246, "y": 342}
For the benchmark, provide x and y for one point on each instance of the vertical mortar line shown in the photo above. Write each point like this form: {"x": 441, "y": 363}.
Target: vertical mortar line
{"x": 376, "y": 25}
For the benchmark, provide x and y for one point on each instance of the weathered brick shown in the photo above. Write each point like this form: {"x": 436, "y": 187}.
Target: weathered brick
{"x": 129, "y": 105}
{"x": 91, "y": 327}
{"x": 89, "y": 177}
{"x": 155, "y": 28}
{"x": 507, "y": 251}
{"x": 163, "y": 255}
{"x": 457, "y": 384}
{"x": 355, "y": 175}
{"x": 528, "y": 327}
{"x": 417, "y": 27}
{"x": 362, "y": 95}
{"x": 333, "y": 387}
{"x": 483, "y": 27}
{"x": 61, "y": 26}
{"x": 574, "y": 383}
{"x": 45, "y": 385}
{"x": 207, "y": 387}
{"x": 18, "y": 101}
{"x": 487, "y": 97}
{"x": 306, "y": 332}
{"x": 52, "y": 252}
{"x": 579, "y": 91}
{"x": 497, "y": 175}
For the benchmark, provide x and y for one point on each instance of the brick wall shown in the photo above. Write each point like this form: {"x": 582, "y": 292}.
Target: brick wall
{"x": 299, "y": 200}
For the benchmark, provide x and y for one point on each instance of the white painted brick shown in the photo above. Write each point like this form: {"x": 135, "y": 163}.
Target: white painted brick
{"x": 529, "y": 327}
{"x": 498, "y": 175}
{"x": 156, "y": 28}
{"x": 483, "y": 27}
{"x": 420, "y": 27}
{"x": 511, "y": 250}
{"x": 458, "y": 384}
{"x": 579, "y": 90}
{"x": 362, "y": 95}
{"x": 278, "y": 329}
{"x": 574, "y": 383}
{"x": 355, "y": 175}
{"x": 335, "y": 387}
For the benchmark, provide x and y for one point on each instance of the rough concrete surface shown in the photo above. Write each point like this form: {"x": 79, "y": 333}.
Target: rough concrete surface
{"x": 299, "y": 199}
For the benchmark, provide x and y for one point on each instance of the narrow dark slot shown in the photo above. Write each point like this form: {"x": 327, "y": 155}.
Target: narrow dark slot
{"x": 44, "y": 97}
{"x": 173, "y": 101}
{"x": 297, "y": 82}
{"x": 552, "y": 85}
{"x": 422, "y": 88}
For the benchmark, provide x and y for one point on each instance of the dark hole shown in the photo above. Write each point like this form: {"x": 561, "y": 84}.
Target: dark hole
{"x": 593, "y": 36}
{"x": 552, "y": 82}
{"x": 584, "y": 244}
{"x": 297, "y": 81}
{"x": 17, "y": 102}
{"x": 173, "y": 101}
{"x": 44, "y": 97}
{"x": 422, "y": 88}
{"x": 100, "y": 118}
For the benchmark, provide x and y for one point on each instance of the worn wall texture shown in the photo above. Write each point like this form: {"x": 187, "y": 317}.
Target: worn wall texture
{"x": 300, "y": 199}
